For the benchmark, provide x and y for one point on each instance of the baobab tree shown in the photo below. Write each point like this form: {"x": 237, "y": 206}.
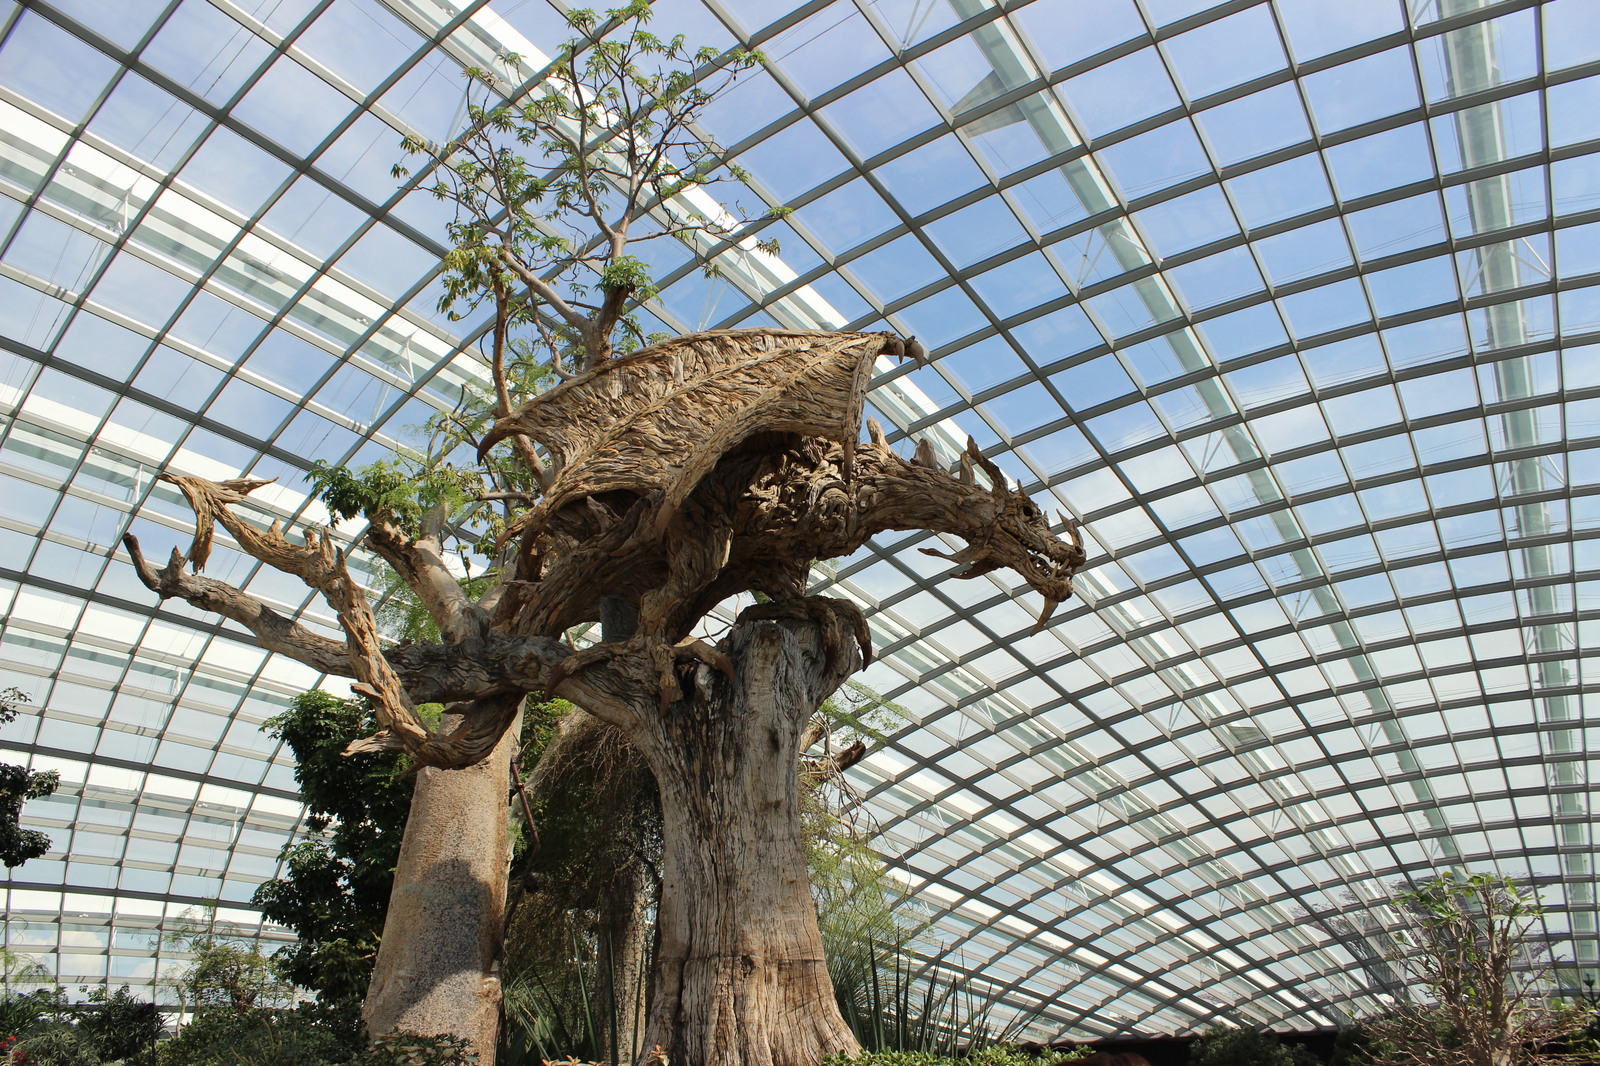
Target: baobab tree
{"x": 645, "y": 488}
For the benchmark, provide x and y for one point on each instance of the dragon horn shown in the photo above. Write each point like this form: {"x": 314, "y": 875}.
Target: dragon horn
{"x": 997, "y": 480}
{"x": 1071, "y": 526}
{"x": 1050, "y": 605}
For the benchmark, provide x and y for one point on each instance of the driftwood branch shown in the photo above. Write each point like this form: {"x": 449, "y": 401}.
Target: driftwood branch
{"x": 272, "y": 630}
{"x": 820, "y": 769}
{"x": 471, "y": 676}
{"x": 321, "y": 565}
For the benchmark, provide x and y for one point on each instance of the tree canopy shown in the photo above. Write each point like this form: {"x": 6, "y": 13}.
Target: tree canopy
{"x": 1485, "y": 997}
{"x": 18, "y": 784}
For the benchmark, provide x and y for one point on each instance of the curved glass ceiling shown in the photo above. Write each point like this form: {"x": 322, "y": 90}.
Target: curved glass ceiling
{"x": 1293, "y": 304}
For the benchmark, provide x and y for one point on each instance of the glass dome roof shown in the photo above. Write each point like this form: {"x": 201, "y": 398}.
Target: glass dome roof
{"x": 1293, "y": 304}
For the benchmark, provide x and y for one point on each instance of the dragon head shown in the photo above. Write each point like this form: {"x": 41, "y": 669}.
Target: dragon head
{"x": 1017, "y": 535}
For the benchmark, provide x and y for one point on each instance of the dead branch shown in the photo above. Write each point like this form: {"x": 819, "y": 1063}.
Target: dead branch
{"x": 321, "y": 565}
{"x": 272, "y": 630}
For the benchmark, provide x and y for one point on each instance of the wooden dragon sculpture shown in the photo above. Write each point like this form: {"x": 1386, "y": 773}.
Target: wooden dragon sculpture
{"x": 713, "y": 464}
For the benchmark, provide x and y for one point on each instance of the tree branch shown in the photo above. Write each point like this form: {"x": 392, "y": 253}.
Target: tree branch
{"x": 480, "y": 672}
{"x": 272, "y": 630}
{"x": 322, "y": 566}
{"x": 502, "y": 394}
{"x": 421, "y": 567}
{"x": 542, "y": 289}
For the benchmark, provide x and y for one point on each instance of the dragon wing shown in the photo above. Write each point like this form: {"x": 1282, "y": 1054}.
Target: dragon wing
{"x": 661, "y": 418}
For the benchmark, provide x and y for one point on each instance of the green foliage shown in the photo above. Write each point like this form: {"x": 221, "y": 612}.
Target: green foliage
{"x": 221, "y": 1036}
{"x": 118, "y": 1025}
{"x": 855, "y": 712}
{"x": 1482, "y": 994}
{"x": 441, "y": 491}
{"x": 18, "y": 785}
{"x": 560, "y": 1012}
{"x": 413, "y": 1049}
{"x": 398, "y": 491}
{"x": 379, "y": 492}
{"x": 243, "y": 1012}
{"x": 225, "y": 970}
{"x": 1226, "y": 1046}
{"x": 895, "y": 1004}
{"x": 599, "y": 824}
{"x": 57, "y": 1044}
{"x": 335, "y": 890}
{"x": 547, "y": 188}
{"x": 48, "y": 1030}
{"x": 867, "y": 922}
{"x": 21, "y": 1011}
{"x": 628, "y": 273}
{"x": 25, "y": 995}
{"x": 27, "y": 1012}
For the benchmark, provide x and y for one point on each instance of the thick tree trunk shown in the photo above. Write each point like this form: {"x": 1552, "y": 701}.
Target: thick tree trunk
{"x": 740, "y": 976}
{"x": 438, "y": 964}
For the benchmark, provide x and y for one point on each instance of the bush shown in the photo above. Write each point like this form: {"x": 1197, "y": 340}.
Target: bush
{"x": 119, "y": 1024}
{"x": 1224, "y": 1046}
{"x": 57, "y": 1044}
{"x": 222, "y": 1036}
{"x": 21, "y": 1012}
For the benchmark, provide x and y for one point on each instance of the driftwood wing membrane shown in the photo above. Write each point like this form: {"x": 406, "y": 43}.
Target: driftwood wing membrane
{"x": 660, "y": 419}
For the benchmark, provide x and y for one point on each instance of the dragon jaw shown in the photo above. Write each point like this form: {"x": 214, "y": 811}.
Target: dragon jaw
{"x": 1019, "y": 538}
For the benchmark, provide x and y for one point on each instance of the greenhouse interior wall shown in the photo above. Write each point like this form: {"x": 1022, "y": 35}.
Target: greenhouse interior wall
{"x": 1292, "y": 306}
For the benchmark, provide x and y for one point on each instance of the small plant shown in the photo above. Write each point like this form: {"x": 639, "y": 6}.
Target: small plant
{"x": 893, "y": 1005}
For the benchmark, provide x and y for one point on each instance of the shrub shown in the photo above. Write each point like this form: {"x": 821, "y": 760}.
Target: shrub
{"x": 1224, "y": 1046}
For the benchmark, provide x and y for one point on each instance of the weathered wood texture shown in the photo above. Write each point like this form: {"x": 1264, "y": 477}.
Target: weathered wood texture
{"x": 437, "y": 969}
{"x": 714, "y": 464}
{"x": 740, "y": 976}
{"x": 660, "y": 419}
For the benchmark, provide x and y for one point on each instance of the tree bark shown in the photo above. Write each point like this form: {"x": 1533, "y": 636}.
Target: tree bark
{"x": 740, "y": 975}
{"x": 438, "y": 966}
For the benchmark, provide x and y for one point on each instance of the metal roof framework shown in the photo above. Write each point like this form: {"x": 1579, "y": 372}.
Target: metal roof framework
{"x": 1294, "y": 307}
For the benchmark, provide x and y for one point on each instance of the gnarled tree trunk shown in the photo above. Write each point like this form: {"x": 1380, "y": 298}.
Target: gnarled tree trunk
{"x": 438, "y": 967}
{"x": 740, "y": 977}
